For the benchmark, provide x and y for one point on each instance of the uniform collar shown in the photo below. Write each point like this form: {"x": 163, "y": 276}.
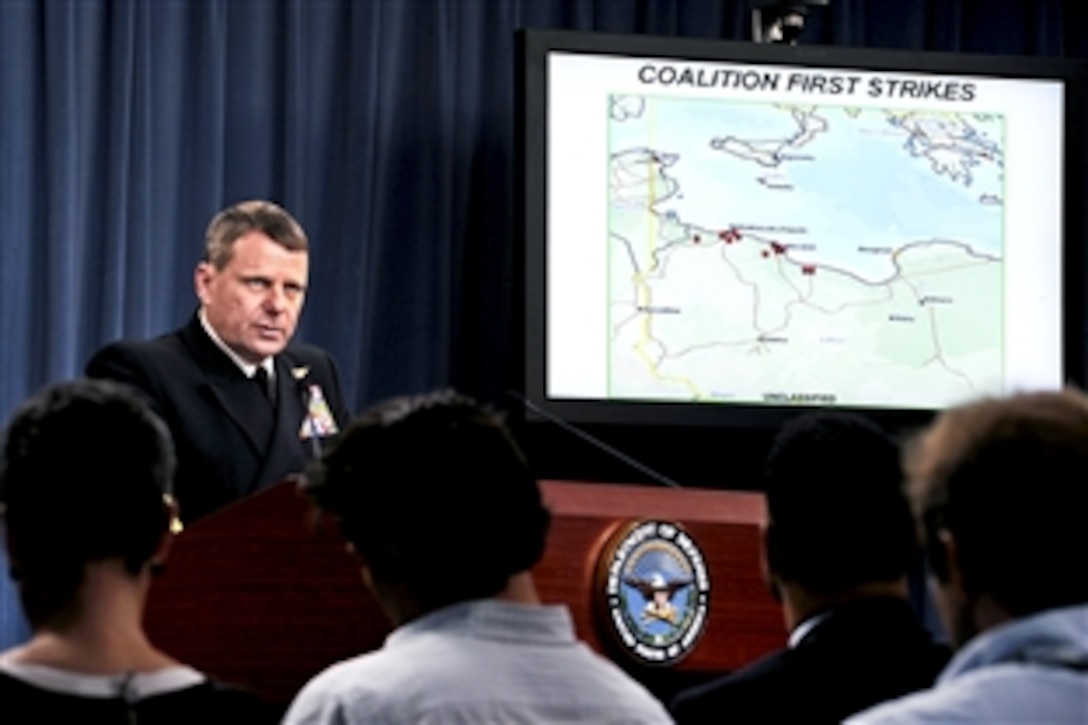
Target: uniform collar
{"x": 247, "y": 368}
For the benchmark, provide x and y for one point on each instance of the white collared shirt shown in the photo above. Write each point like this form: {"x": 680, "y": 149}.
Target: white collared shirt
{"x": 801, "y": 630}
{"x": 486, "y": 660}
{"x": 134, "y": 686}
{"x": 248, "y": 369}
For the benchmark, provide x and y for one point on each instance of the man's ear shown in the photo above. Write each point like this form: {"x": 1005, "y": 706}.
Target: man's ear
{"x": 766, "y": 568}
{"x": 360, "y": 560}
{"x": 202, "y": 277}
{"x": 364, "y": 567}
{"x": 953, "y": 572}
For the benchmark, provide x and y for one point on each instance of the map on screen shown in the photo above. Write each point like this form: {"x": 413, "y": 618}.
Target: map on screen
{"x": 886, "y": 234}
{"x": 803, "y": 253}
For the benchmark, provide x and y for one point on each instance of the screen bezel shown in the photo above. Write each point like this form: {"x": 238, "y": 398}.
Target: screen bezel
{"x": 534, "y": 49}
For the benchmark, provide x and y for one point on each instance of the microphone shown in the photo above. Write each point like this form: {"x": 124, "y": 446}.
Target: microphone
{"x": 594, "y": 441}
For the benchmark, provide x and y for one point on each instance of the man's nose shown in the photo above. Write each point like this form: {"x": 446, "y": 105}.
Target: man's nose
{"x": 276, "y": 299}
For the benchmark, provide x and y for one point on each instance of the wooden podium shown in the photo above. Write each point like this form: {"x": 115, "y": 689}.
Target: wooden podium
{"x": 257, "y": 596}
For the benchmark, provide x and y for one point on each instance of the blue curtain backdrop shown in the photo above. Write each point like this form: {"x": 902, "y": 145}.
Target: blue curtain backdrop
{"x": 386, "y": 126}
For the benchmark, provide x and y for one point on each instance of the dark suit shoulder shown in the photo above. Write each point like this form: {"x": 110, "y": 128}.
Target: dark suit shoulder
{"x": 857, "y": 657}
{"x": 142, "y": 352}
{"x": 313, "y": 359}
{"x": 747, "y": 695}
{"x": 304, "y": 351}
{"x": 144, "y": 364}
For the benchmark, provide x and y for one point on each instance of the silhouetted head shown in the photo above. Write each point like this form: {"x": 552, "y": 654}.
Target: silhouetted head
{"x": 838, "y": 517}
{"x": 435, "y": 496}
{"x": 1000, "y": 493}
{"x": 85, "y": 469}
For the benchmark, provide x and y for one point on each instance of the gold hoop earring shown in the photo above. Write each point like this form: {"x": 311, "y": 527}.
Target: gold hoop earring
{"x": 176, "y": 527}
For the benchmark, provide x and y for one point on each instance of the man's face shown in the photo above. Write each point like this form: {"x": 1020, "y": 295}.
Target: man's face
{"x": 253, "y": 302}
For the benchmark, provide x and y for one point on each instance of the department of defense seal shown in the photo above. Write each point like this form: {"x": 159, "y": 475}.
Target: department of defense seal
{"x": 654, "y": 591}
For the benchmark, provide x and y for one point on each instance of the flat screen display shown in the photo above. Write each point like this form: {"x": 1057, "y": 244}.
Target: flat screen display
{"x": 734, "y": 228}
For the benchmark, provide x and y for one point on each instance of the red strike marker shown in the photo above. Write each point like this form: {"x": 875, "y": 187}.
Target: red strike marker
{"x": 808, "y": 269}
{"x": 729, "y": 235}
{"x": 778, "y": 248}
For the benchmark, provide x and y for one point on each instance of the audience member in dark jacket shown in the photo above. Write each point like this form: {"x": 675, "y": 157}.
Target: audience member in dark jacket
{"x": 837, "y": 548}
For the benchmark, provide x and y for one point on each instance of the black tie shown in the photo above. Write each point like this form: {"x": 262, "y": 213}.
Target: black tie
{"x": 260, "y": 376}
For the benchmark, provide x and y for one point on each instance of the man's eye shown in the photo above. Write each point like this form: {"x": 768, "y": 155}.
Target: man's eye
{"x": 257, "y": 284}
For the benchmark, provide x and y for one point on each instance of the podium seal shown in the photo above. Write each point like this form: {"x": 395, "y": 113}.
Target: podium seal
{"x": 654, "y": 591}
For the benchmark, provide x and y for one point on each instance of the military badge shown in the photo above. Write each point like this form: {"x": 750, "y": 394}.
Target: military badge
{"x": 654, "y": 591}
{"x": 319, "y": 420}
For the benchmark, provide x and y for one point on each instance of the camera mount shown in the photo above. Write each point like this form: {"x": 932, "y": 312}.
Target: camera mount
{"x": 781, "y": 21}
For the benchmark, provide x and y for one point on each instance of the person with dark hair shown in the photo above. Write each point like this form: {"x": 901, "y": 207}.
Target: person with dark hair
{"x": 245, "y": 405}
{"x": 999, "y": 491}
{"x": 85, "y": 487}
{"x": 435, "y": 499}
{"x": 837, "y": 547}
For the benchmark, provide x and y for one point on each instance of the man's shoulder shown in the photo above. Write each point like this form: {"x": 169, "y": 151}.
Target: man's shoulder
{"x": 379, "y": 668}
{"x": 747, "y": 688}
{"x": 119, "y": 358}
{"x": 444, "y": 674}
{"x": 942, "y": 704}
{"x": 339, "y": 689}
{"x": 879, "y": 644}
{"x": 1013, "y": 691}
{"x": 814, "y": 683}
{"x": 163, "y": 342}
{"x": 302, "y": 353}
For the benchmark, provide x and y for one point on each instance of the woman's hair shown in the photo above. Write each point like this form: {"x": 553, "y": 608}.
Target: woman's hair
{"x": 85, "y": 467}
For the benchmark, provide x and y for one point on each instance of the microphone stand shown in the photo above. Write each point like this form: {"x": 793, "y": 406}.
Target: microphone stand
{"x": 594, "y": 441}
